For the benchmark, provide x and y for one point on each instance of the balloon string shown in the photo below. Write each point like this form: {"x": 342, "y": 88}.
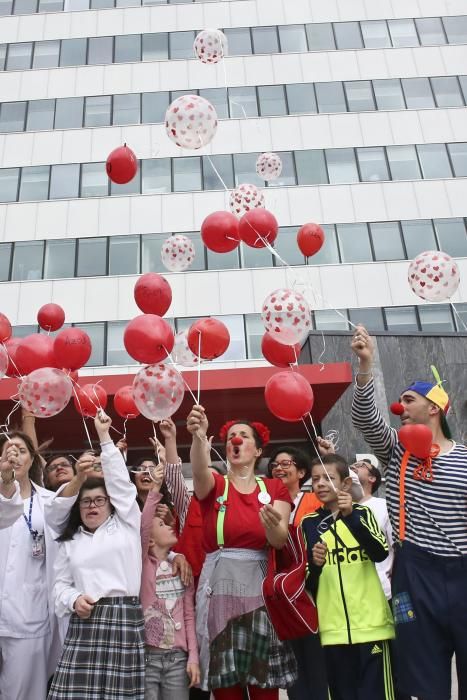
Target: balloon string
{"x": 124, "y": 426}
{"x": 313, "y": 442}
{"x": 82, "y": 417}
{"x": 199, "y": 368}
{"x": 6, "y": 424}
{"x": 217, "y": 173}
{"x": 320, "y": 361}
{"x": 20, "y": 375}
{"x": 156, "y": 440}
{"x": 169, "y": 356}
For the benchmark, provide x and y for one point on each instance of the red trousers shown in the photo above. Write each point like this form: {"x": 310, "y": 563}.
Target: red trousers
{"x": 254, "y": 693}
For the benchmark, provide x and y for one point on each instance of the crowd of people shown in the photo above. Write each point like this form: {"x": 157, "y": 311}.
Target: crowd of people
{"x": 116, "y": 582}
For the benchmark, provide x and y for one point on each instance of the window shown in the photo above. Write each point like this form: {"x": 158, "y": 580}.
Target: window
{"x": 96, "y": 332}
{"x": 239, "y": 41}
{"x": 311, "y": 167}
{"x": 320, "y": 37}
{"x": 370, "y": 318}
{"x": 34, "y": 183}
{"x": 151, "y": 252}
{"x": 92, "y": 257}
{"x": 463, "y": 82}
{"x": 286, "y": 246}
{"x": 417, "y": 93}
{"x": 403, "y": 32}
{"x": 19, "y": 56}
{"x": 292, "y": 38}
{"x": 187, "y": 174}
{"x": 287, "y": 177}
{"x": 218, "y": 98}
{"x": 59, "y": 259}
{"x": 458, "y": 153}
{"x": 46, "y": 54}
{"x": 155, "y": 47}
{"x": 236, "y": 349}
{"x": 64, "y": 181}
{"x": 223, "y": 165}
{"x": 452, "y": 236}
{"x": 341, "y": 165}
{"x": 100, "y": 50}
{"x": 301, "y": 98}
{"x": 401, "y": 318}
{"x": 372, "y": 164}
{"x": 222, "y": 261}
{"x": 418, "y": 236}
{"x": 243, "y": 103}
{"x": 9, "y": 184}
{"x": 348, "y": 35}
{"x": 132, "y": 187}
{"x": 116, "y": 353}
{"x": 265, "y": 40}
{"x": 447, "y": 92}
{"x": 94, "y": 180}
{"x": 181, "y": 44}
{"x": 456, "y": 29}
{"x": 359, "y": 96}
{"x": 255, "y": 257}
{"x": 330, "y": 97}
{"x": 254, "y": 335}
{"x": 388, "y": 94}
{"x": 387, "y": 241}
{"x": 430, "y": 31}
{"x": 12, "y": 116}
{"x": 73, "y": 52}
{"x": 154, "y": 106}
{"x": 245, "y": 169}
{"x": 123, "y": 255}
{"x": 272, "y": 100}
{"x": 5, "y": 256}
{"x": 354, "y": 243}
{"x": 434, "y": 160}
{"x": 40, "y": 115}
{"x": 375, "y": 34}
{"x": 403, "y": 162}
{"x": 74, "y": 5}
{"x": 127, "y": 48}
{"x": 50, "y": 5}
{"x": 331, "y": 320}
{"x": 25, "y": 7}
{"x": 156, "y": 175}
{"x": 69, "y": 113}
{"x": 6, "y": 7}
{"x": 126, "y": 109}
{"x": 97, "y": 111}
{"x": 329, "y": 253}
{"x": 436, "y": 318}
{"x": 27, "y": 260}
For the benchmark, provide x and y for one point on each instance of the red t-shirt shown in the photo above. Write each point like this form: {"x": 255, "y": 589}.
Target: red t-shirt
{"x": 242, "y": 525}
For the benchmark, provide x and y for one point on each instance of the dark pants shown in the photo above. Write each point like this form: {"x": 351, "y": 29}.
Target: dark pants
{"x": 359, "y": 671}
{"x": 429, "y": 600}
{"x": 312, "y": 683}
{"x": 198, "y": 694}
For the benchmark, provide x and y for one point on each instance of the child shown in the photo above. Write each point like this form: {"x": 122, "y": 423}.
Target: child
{"x": 343, "y": 540}
{"x": 171, "y": 646}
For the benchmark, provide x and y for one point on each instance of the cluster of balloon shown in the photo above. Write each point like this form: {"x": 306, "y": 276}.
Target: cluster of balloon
{"x": 72, "y": 348}
{"x": 286, "y": 316}
{"x": 153, "y": 294}
{"x": 191, "y": 122}
{"x": 11, "y": 346}
{"x": 89, "y": 399}
{"x": 124, "y": 403}
{"x": 177, "y": 253}
{"x": 121, "y": 165}
{"x": 208, "y": 338}
{"x": 288, "y": 396}
{"x": 279, "y": 354}
{"x": 258, "y": 227}
{"x": 220, "y": 232}
{"x": 158, "y": 391}
{"x": 433, "y": 276}
{"x": 35, "y": 351}
{"x": 310, "y": 238}
{"x": 416, "y": 439}
{"x": 269, "y": 166}
{"x": 244, "y": 198}
{"x": 210, "y": 46}
{"x": 45, "y": 392}
{"x": 51, "y": 317}
{"x": 181, "y": 353}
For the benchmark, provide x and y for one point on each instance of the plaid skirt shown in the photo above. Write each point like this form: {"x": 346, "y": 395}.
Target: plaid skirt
{"x": 103, "y": 656}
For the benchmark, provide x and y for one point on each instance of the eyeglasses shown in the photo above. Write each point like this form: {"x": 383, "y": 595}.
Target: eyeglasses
{"x": 98, "y": 501}
{"x": 97, "y": 467}
{"x": 140, "y": 470}
{"x": 359, "y": 465}
{"x": 58, "y": 465}
{"x": 283, "y": 463}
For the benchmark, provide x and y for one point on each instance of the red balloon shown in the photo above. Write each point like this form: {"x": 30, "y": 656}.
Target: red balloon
{"x": 220, "y": 233}
{"x": 396, "y": 408}
{"x": 215, "y": 338}
{"x": 51, "y": 317}
{"x": 416, "y": 439}
{"x": 310, "y": 238}
{"x": 88, "y": 399}
{"x": 153, "y": 294}
{"x": 35, "y": 351}
{"x": 289, "y": 396}
{"x": 11, "y": 346}
{"x": 258, "y": 224}
{"x": 124, "y": 402}
{"x": 121, "y": 165}
{"x": 148, "y": 339}
{"x": 279, "y": 354}
{"x": 5, "y": 328}
{"x": 72, "y": 348}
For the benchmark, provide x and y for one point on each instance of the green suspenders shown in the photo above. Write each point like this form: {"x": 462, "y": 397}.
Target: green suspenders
{"x": 221, "y": 512}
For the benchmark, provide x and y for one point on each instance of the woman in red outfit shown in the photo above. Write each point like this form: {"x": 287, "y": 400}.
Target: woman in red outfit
{"x": 242, "y": 516}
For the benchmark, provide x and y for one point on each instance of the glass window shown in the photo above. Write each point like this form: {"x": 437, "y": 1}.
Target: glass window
{"x": 27, "y": 260}
{"x": 116, "y": 353}
{"x": 265, "y": 40}
{"x": 370, "y": 318}
{"x": 301, "y": 98}
{"x": 375, "y": 34}
{"x": 218, "y": 98}
{"x": 243, "y": 102}
{"x": 341, "y": 165}
{"x": 2, "y": 56}
{"x": 154, "y": 107}
{"x": 430, "y": 30}
{"x": 418, "y": 236}
{"x": 329, "y": 253}
{"x": 9, "y": 184}
{"x": 331, "y": 320}
{"x": 292, "y": 38}
{"x": 359, "y": 95}
{"x": 320, "y": 37}
{"x": 94, "y": 180}
{"x": 59, "y": 259}
{"x": 272, "y": 100}
{"x": 187, "y": 174}
{"x": 92, "y": 257}
{"x": 212, "y": 179}
{"x": 127, "y": 48}
{"x": 403, "y": 162}
{"x": 100, "y": 50}
{"x": 330, "y": 97}
{"x": 354, "y": 243}
{"x": 286, "y": 246}
{"x": 452, "y": 236}
{"x": 64, "y": 181}
{"x": 6, "y": 7}
{"x": 132, "y": 187}
{"x": 73, "y": 52}
{"x": 50, "y": 5}
{"x": 372, "y": 164}
{"x": 348, "y": 35}
{"x": 401, "y": 318}
{"x": 126, "y": 109}
{"x": 46, "y": 54}
{"x": 387, "y": 241}
{"x": 96, "y": 332}
{"x": 417, "y": 93}
{"x": 69, "y": 113}
{"x": 123, "y": 255}
{"x": 12, "y": 116}
{"x": 239, "y": 41}
{"x": 245, "y": 169}
{"x": 456, "y": 29}
{"x": 156, "y": 175}
{"x": 287, "y": 177}
{"x": 34, "y": 183}
{"x": 255, "y": 257}
{"x": 40, "y": 115}
{"x": 434, "y": 160}
{"x": 181, "y": 44}
{"x": 25, "y": 7}
{"x": 97, "y": 110}
{"x": 151, "y": 252}
{"x": 155, "y": 47}
{"x": 223, "y": 261}
{"x": 254, "y": 335}
{"x": 236, "y": 349}
{"x": 458, "y": 153}
{"x": 388, "y": 94}
{"x": 463, "y": 82}
{"x": 5, "y": 256}
{"x": 403, "y": 32}
{"x": 447, "y": 92}
{"x": 19, "y": 56}
{"x": 311, "y": 167}
{"x": 75, "y": 5}
{"x": 437, "y": 318}
{"x": 23, "y": 331}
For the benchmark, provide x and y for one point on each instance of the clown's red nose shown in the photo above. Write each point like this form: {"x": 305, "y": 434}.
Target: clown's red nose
{"x": 236, "y": 440}
{"x": 396, "y": 408}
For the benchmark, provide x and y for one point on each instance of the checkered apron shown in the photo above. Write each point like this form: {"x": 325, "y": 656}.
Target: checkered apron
{"x": 103, "y": 656}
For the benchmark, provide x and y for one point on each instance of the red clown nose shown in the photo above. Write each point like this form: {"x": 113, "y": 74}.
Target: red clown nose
{"x": 396, "y": 408}
{"x": 236, "y": 440}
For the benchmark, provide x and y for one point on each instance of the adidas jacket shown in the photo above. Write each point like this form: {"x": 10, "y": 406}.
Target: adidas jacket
{"x": 352, "y": 607}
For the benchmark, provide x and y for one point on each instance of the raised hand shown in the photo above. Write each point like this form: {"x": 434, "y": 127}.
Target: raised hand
{"x": 344, "y": 501}
{"x": 325, "y": 447}
{"x": 168, "y": 429}
{"x": 362, "y": 346}
{"x": 197, "y": 422}
{"x": 157, "y": 475}
{"x": 102, "y": 423}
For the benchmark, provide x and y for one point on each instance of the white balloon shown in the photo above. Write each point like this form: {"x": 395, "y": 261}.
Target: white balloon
{"x": 191, "y": 122}
{"x": 286, "y": 316}
{"x": 269, "y": 166}
{"x": 434, "y": 276}
{"x": 244, "y": 198}
{"x": 181, "y": 353}
{"x": 45, "y": 391}
{"x": 177, "y": 253}
{"x": 158, "y": 391}
{"x": 210, "y": 46}
{"x": 3, "y": 361}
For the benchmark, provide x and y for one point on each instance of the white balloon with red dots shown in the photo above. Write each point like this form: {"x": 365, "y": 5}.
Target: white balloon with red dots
{"x": 181, "y": 353}
{"x": 177, "y": 253}
{"x": 244, "y": 198}
{"x": 286, "y": 316}
{"x": 191, "y": 122}
{"x": 210, "y": 46}
{"x": 269, "y": 166}
{"x": 158, "y": 391}
{"x": 45, "y": 392}
{"x": 434, "y": 276}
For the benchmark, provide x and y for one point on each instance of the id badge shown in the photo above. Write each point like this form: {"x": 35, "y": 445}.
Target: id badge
{"x": 38, "y": 547}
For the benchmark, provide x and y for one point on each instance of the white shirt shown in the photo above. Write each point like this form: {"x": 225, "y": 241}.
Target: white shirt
{"x": 10, "y": 508}
{"x": 384, "y": 568}
{"x": 108, "y": 562}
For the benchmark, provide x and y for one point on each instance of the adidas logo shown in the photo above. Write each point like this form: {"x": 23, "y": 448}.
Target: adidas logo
{"x": 376, "y": 650}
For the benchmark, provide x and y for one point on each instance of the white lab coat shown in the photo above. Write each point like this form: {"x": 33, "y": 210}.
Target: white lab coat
{"x": 10, "y": 508}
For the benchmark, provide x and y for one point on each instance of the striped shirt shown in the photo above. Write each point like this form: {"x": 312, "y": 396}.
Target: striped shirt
{"x": 436, "y": 511}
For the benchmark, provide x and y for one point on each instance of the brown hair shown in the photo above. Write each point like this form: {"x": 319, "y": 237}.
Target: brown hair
{"x": 35, "y": 471}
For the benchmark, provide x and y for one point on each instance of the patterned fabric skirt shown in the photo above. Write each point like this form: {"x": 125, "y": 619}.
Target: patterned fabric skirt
{"x": 103, "y": 656}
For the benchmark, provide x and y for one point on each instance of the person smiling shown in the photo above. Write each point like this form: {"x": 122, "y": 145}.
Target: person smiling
{"x": 58, "y": 470}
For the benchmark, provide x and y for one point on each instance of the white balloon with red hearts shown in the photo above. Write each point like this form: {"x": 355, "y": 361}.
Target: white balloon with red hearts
{"x": 177, "y": 253}
{"x": 210, "y": 46}
{"x": 191, "y": 122}
{"x": 286, "y": 316}
{"x": 244, "y": 198}
{"x": 433, "y": 276}
{"x": 45, "y": 392}
{"x": 181, "y": 353}
{"x": 269, "y": 166}
{"x": 158, "y": 391}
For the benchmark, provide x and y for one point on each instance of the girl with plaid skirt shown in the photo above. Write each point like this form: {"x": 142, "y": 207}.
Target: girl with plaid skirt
{"x": 242, "y": 516}
{"x": 98, "y": 576}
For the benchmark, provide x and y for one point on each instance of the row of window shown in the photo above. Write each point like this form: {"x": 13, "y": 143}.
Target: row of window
{"x": 27, "y": 7}
{"x": 283, "y": 38}
{"x": 194, "y": 173}
{"x": 237, "y": 103}
{"x": 246, "y": 331}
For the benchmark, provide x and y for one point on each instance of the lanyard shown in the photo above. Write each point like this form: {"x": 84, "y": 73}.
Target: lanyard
{"x": 222, "y": 500}
{"x": 28, "y": 520}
